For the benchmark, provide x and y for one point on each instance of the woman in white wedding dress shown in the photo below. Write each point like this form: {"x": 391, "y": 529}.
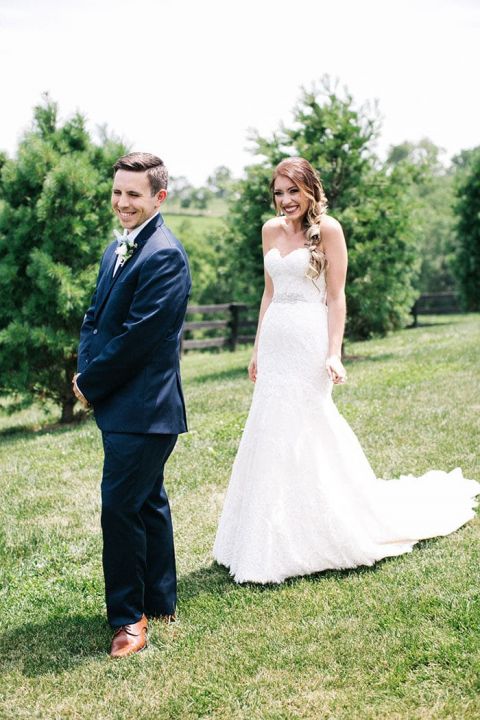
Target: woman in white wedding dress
{"x": 302, "y": 496}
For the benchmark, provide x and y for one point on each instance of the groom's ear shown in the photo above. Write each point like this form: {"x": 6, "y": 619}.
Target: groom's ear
{"x": 160, "y": 197}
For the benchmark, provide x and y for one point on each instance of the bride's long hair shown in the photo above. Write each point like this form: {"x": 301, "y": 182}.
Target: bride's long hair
{"x": 302, "y": 174}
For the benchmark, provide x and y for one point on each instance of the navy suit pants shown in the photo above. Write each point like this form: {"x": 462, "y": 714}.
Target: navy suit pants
{"x": 138, "y": 549}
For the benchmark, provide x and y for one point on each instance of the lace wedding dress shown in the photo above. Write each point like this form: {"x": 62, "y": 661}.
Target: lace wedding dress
{"x": 302, "y": 496}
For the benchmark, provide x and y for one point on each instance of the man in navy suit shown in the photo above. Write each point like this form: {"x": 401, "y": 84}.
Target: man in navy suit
{"x": 128, "y": 371}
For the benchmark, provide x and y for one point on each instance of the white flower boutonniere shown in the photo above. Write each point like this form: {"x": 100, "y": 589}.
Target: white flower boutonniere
{"x": 125, "y": 248}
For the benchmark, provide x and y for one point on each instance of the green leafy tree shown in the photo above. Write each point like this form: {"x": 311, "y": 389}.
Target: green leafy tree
{"x": 55, "y": 220}
{"x": 432, "y": 204}
{"x": 467, "y": 208}
{"x": 221, "y": 181}
{"x": 180, "y": 191}
{"x": 187, "y": 196}
{"x": 201, "y": 196}
{"x": 372, "y": 202}
{"x": 383, "y": 255}
{"x": 208, "y": 252}
{"x": 249, "y": 210}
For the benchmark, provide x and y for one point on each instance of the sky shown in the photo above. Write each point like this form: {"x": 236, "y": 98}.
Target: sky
{"x": 187, "y": 80}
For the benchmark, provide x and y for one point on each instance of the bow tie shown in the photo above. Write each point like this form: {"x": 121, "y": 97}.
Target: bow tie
{"x": 121, "y": 237}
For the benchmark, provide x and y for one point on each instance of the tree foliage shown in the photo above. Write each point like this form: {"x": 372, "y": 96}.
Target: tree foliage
{"x": 188, "y": 196}
{"x": 373, "y": 203}
{"x": 221, "y": 181}
{"x": 432, "y": 204}
{"x": 467, "y": 208}
{"x": 208, "y": 253}
{"x": 55, "y": 220}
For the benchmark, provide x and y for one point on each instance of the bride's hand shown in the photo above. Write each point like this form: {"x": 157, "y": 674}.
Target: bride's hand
{"x": 252, "y": 368}
{"x": 336, "y": 371}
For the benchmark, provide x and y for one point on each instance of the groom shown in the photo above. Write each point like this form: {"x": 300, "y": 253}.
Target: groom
{"x": 128, "y": 371}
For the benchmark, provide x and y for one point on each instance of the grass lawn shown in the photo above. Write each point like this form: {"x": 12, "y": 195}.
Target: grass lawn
{"x": 397, "y": 641}
{"x": 217, "y": 207}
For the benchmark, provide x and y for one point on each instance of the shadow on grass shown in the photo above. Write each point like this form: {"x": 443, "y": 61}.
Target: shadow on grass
{"x": 216, "y": 579}
{"x": 212, "y": 580}
{"x": 55, "y": 645}
{"x": 60, "y": 645}
{"x": 216, "y": 582}
{"x": 426, "y": 323}
{"x": 33, "y": 430}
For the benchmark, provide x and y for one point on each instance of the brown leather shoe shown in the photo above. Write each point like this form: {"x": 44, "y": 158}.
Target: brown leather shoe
{"x": 129, "y": 639}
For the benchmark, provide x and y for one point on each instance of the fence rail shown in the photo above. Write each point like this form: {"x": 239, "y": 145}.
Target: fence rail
{"x": 441, "y": 303}
{"x": 232, "y": 325}
{"x": 235, "y": 327}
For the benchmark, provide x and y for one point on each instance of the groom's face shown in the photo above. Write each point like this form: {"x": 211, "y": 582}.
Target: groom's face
{"x": 132, "y": 199}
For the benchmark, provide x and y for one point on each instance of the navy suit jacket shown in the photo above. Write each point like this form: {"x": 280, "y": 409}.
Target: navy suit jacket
{"x": 128, "y": 355}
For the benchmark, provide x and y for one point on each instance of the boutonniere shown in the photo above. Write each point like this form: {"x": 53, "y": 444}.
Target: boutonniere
{"x": 125, "y": 248}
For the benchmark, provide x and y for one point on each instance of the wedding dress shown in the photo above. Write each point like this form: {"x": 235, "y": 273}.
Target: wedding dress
{"x": 302, "y": 496}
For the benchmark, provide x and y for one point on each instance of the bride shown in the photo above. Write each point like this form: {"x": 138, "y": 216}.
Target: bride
{"x": 302, "y": 496}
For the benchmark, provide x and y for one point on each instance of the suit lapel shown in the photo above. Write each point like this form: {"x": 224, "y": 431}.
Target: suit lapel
{"x": 147, "y": 231}
{"x": 105, "y": 277}
{"x": 108, "y": 279}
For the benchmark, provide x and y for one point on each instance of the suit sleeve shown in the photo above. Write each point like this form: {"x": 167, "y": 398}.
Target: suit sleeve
{"x": 88, "y": 324}
{"x": 157, "y": 310}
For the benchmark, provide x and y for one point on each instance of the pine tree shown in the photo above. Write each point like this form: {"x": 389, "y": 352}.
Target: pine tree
{"x": 55, "y": 220}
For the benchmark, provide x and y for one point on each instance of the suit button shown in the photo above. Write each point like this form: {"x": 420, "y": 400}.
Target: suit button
{"x": 95, "y": 331}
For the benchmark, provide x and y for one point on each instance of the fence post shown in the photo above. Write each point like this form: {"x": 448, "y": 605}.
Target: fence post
{"x": 414, "y": 312}
{"x": 234, "y": 312}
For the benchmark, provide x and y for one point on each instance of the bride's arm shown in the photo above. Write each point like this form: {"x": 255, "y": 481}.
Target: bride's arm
{"x": 266, "y": 300}
{"x": 336, "y": 252}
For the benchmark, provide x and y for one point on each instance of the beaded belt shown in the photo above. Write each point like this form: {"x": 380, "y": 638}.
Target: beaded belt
{"x": 288, "y": 297}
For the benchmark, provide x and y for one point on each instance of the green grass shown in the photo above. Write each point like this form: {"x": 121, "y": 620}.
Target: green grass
{"x": 399, "y": 641}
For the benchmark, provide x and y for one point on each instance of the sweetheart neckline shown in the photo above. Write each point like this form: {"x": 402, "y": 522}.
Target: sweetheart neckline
{"x": 282, "y": 257}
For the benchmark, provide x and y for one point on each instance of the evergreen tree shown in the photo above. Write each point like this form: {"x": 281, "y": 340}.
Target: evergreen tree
{"x": 372, "y": 202}
{"x": 55, "y": 220}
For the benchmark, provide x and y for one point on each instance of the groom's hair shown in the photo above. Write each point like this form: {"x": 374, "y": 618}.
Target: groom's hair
{"x": 157, "y": 173}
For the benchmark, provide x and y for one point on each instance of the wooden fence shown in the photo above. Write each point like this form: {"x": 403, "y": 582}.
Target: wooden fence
{"x": 230, "y": 324}
{"x": 441, "y": 303}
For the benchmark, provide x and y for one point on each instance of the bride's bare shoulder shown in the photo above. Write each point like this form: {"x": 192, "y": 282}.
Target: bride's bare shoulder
{"x": 329, "y": 225}
{"x": 331, "y": 232}
{"x": 273, "y": 225}
{"x": 270, "y": 231}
